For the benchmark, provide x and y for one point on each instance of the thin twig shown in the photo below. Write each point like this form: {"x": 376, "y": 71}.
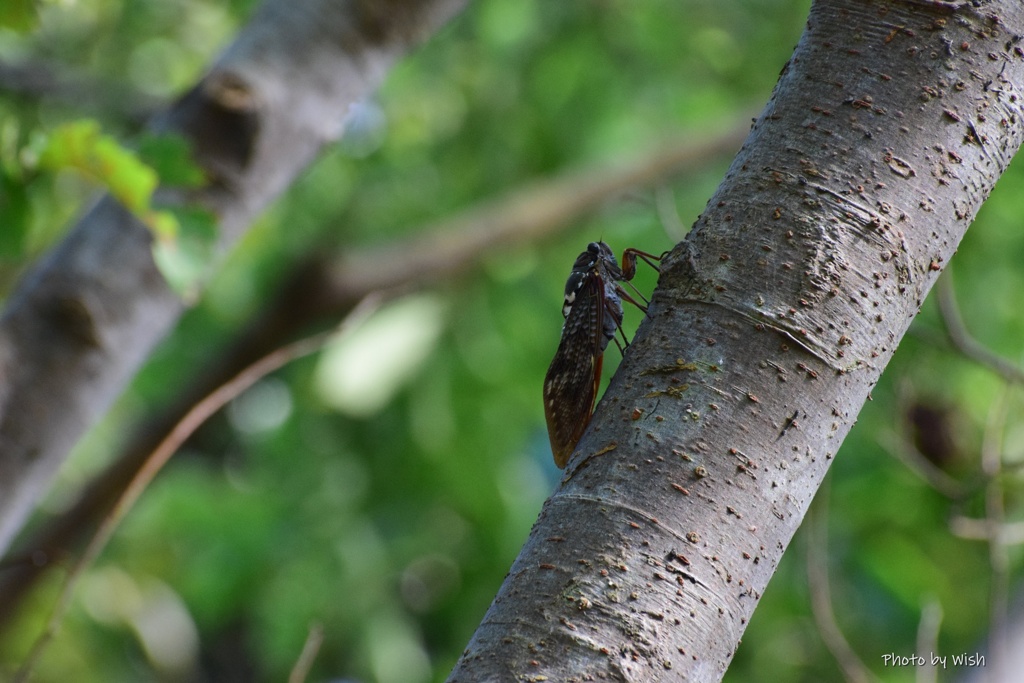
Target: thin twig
{"x": 995, "y": 516}
{"x": 962, "y": 339}
{"x": 308, "y": 655}
{"x": 928, "y": 639}
{"x": 1009, "y": 533}
{"x": 188, "y": 424}
{"x": 900, "y": 447}
{"x": 668, "y": 214}
{"x": 854, "y": 670}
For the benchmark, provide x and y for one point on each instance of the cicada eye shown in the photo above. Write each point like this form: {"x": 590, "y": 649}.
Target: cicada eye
{"x": 594, "y": 248}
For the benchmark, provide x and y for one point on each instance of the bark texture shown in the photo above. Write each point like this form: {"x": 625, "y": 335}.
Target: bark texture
{"x": 771, "y": 323}
{"x": 82, "y": 321}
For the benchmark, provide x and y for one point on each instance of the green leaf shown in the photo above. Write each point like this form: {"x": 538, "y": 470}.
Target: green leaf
{"x": 80, "y": 145}
{"x": 170, "y": 155}
{"x": 164, "y": 225}
{"x": 14, "y": 217}
{"x": 184, "y": 258}
{"x": 18, "y": 15}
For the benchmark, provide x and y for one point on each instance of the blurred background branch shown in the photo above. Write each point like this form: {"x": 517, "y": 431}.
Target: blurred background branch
{"x": 57, "y": 83}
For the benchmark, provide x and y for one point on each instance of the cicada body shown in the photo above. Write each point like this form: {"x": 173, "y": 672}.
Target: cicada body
{"x": 593, "y": 315}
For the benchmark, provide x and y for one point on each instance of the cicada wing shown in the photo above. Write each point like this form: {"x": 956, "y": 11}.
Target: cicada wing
{"x": 574, "y": 375}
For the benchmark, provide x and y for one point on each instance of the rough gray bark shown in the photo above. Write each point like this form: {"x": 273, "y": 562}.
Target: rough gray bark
{"x": 82, "y": 321}
{"x": 771, "y": 323}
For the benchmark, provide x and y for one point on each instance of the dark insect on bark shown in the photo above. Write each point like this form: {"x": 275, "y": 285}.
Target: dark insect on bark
{"x": 593, "y": 314}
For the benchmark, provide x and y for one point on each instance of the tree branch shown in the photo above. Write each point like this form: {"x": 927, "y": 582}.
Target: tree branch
{"x": 535, "y": 210}
{"x": 83, "y": 320}
{"x": 770, "y": 325}
{"x": 992, "y": 448}
{"x": 818, "y": 584}
{"x": 38, "y": 79}
{"x": 962, "y": 340}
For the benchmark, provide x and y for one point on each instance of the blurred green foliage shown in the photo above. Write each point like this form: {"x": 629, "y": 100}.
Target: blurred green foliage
{"x": 392, "y": 521}
{"x": 17, "y": 15}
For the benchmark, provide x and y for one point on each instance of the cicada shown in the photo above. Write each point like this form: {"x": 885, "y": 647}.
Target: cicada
{"x": 593, "y": 314}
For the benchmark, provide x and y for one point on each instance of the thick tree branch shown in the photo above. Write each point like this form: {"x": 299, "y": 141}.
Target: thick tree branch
{"x": 887, "y": 130}
{"x": 84, "y": 319}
